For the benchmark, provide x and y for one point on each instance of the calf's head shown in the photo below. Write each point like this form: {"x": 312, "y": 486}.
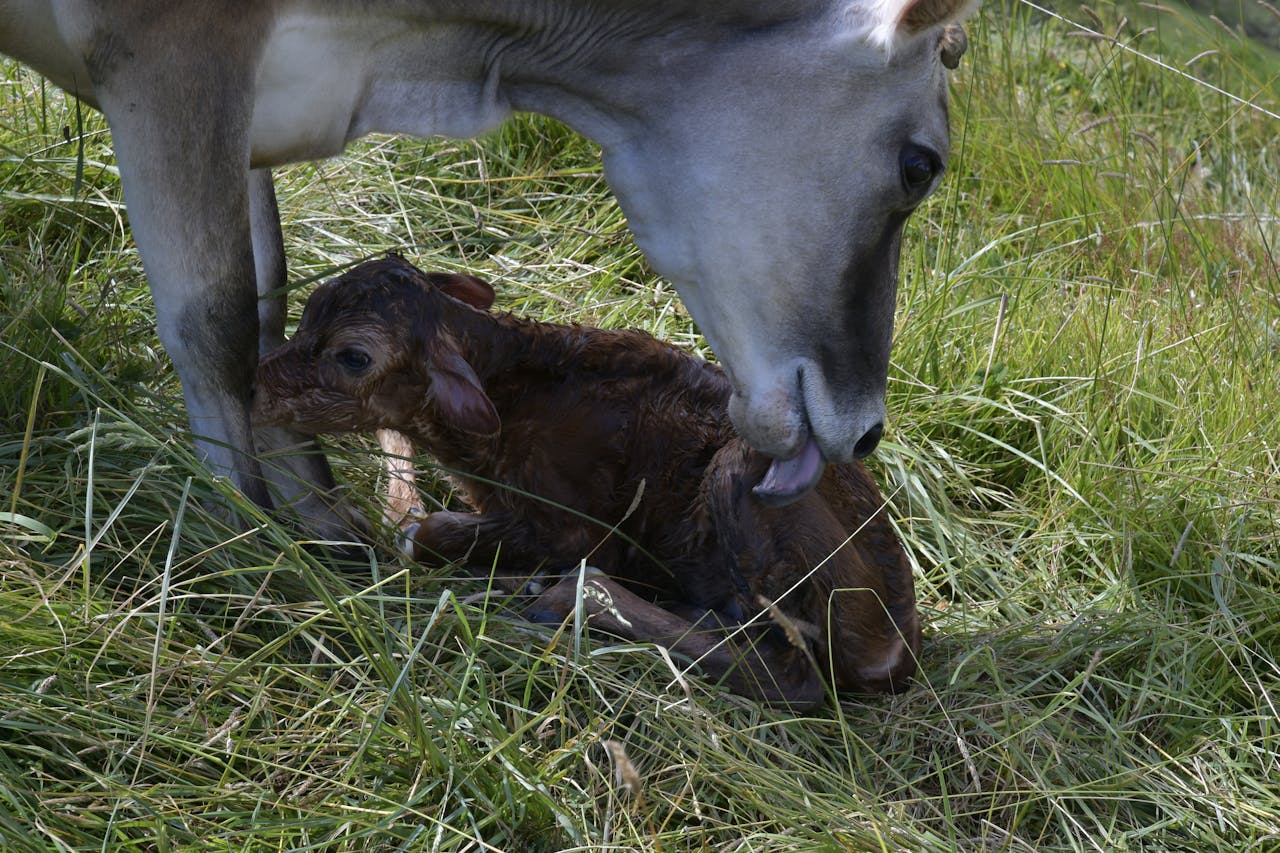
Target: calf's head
{"x": 372, "y": 352}
{"x": 771, "y": 186}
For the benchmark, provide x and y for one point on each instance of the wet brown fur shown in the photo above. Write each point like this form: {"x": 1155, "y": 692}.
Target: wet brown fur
{"x": 589, "y": 419}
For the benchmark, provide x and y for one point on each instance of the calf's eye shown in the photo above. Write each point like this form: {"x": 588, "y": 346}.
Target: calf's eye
{"x": 353, "y": 359}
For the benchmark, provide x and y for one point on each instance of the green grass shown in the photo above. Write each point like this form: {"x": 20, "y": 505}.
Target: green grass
{"x": 1083, "y": 458}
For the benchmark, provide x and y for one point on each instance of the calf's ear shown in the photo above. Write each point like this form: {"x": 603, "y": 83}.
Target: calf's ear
{"x": 476, "y": 292}
{"x": 456, "y": 390}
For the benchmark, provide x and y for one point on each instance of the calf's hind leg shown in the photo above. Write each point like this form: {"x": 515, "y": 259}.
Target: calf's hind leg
{"x": 869, "y": 598}
{"x": 830, "y": 562}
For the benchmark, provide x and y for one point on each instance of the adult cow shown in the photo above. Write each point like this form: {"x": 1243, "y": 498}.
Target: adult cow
{"x": 765, "y": 152}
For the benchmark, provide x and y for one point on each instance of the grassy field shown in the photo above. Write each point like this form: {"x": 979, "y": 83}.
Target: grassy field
{"x": 1083, "y": 458}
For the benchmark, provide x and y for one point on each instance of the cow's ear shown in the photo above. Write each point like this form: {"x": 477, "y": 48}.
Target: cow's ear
{"x": 952, "y": 45}
{"x": 476, "y": 292}
{"x": 920, "y": 15}
{"x": 890, "y": 22}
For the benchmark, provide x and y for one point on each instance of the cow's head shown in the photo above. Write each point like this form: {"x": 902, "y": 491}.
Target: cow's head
{"x": 771, "y": 186}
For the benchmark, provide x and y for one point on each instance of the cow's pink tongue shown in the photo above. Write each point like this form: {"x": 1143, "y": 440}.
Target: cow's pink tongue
{"x": 787, "y": 480}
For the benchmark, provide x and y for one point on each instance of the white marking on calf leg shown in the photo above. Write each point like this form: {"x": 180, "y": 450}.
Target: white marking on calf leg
{"x": 598, "y": 593}
{"x": 406, "y": 540}
{"x": 401, "y": 487}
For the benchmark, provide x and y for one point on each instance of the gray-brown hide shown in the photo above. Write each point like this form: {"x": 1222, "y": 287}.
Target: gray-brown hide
{"x": 766, "y": 154}
{"x": 580, "y": 422}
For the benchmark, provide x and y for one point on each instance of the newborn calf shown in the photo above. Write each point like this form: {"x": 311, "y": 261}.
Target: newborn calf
{"x": 576, "y": 443}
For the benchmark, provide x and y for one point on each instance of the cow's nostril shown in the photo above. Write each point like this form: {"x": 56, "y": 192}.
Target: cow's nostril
{"x": 868, "y": 442}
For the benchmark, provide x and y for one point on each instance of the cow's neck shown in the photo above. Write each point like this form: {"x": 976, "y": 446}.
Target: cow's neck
{"x": 599, "y": 66}
{"x": 596, "y": 66}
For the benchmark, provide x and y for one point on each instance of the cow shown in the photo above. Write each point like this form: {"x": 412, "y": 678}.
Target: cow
{"x": 766, "y": 154}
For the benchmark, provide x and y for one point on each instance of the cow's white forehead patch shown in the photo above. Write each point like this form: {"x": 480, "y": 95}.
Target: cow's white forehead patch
{"x": 876, "y": 21}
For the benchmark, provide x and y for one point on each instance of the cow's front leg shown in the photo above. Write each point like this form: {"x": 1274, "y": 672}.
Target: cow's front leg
{"x": 294, "y": 464}
{"x": 180, "y": 129}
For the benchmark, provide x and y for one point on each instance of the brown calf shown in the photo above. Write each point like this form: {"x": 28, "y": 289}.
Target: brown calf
{"x": 576, "y": 443}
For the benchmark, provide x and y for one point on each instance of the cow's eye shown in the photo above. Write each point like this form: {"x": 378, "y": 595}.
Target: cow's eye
{"x": 919, "y": 167}
{"x": 353, "y": 359}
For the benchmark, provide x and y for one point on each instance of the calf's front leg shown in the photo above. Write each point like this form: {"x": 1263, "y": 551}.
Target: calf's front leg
{"x": 757, "y": 663}
{"x": 496, "y": 545}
